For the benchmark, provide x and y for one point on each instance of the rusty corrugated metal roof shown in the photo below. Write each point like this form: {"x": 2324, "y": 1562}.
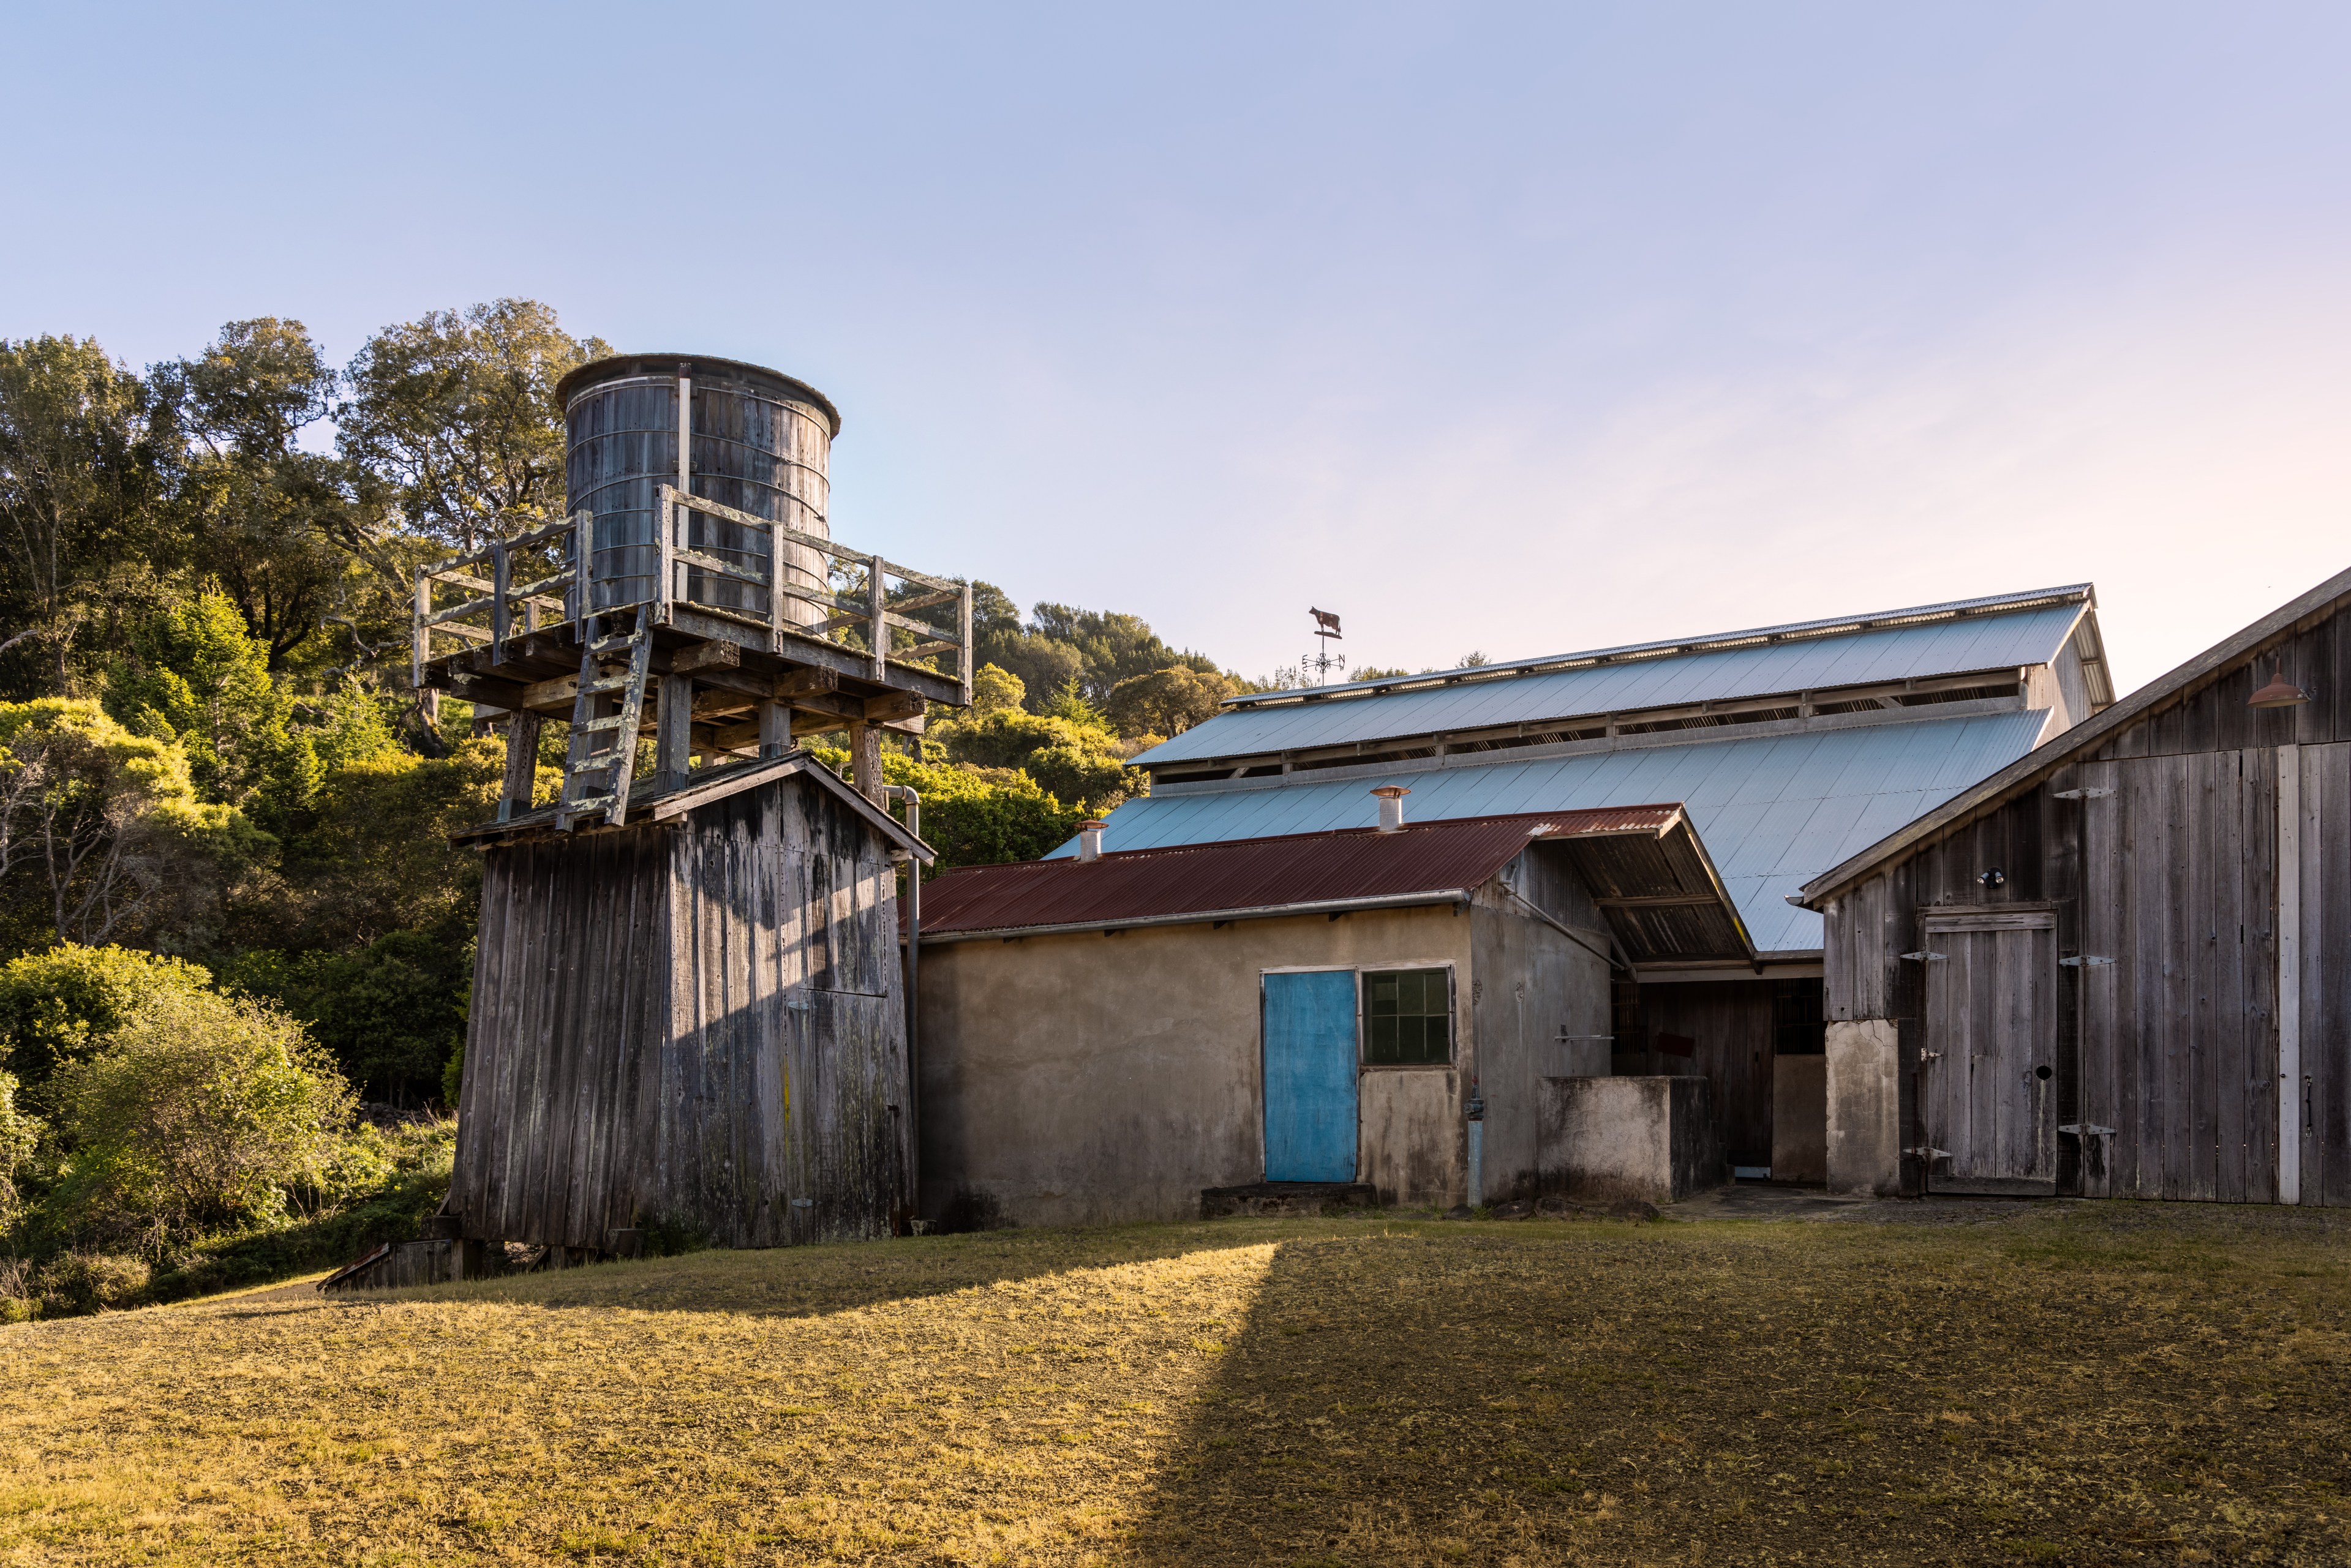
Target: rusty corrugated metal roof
{"x": 1353, "y": 866}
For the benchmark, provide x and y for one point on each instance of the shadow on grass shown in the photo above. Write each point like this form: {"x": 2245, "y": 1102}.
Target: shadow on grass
{"x": 1541, "y": 1392}
{"x": 808, "y": 1281}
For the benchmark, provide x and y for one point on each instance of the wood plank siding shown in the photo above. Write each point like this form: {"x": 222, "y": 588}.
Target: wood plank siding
{"x": 2154, "y": 854}
{"x": 694, "y": 1023}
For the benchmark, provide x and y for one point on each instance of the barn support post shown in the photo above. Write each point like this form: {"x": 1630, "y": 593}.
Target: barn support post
{"x": 673, "y": 732}
{"x": 2289, "y": 973}
{"x": 522, "y": 763}
{"x": 775, "y": 728}
{"x": 865, "y": 761}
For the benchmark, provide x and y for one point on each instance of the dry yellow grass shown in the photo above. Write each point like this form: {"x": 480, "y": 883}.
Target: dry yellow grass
{"x": 2109, "y": 1384}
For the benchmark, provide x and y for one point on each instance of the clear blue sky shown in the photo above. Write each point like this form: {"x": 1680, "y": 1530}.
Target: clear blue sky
{"x": 1519, "y": 328}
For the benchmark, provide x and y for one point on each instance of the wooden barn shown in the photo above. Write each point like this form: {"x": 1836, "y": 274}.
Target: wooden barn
{"x": 688, "y": 1006}
{"x": 2120, "y": 966}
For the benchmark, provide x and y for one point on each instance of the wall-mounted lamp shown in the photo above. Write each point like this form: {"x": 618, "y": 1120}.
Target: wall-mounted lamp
{"x": 2280, "y": 691}
{"x": 1993, "y": 878}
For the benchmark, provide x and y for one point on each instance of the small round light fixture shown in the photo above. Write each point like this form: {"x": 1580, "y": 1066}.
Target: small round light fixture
{"x": 2280, "y": 691}
{"x": 1993, "y": 878}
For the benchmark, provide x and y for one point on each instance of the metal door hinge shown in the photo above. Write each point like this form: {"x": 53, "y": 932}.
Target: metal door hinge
{"x": 2098, "y": 794}
{"x": 2086, "y": 1129}
{"x": 2084, "y": 962}
{"x": 1925, "y": 957}
{"x": 1931, "y": 1056}
{"x": 1925, "y": 1153}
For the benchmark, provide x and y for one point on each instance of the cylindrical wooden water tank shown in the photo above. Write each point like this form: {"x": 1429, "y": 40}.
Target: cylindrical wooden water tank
{"x": 760, "y": 444}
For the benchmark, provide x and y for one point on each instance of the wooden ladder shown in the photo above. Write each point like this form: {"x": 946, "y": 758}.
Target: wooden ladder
{"x": 616, "y": 763}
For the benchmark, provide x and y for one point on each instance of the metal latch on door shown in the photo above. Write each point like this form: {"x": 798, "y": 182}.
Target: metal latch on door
{"x": 1925, "y": 957}
{"x": 2086, "y": 1130}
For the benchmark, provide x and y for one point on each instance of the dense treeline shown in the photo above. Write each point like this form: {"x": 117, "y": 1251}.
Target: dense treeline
{"x": 224, "y": 816}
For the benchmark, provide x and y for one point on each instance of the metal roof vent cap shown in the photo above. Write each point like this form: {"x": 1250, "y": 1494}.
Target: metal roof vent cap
{"x": 1391, "y": 807}
{"x": 1090, "y": 832}
{"x": 2280, "y": 691}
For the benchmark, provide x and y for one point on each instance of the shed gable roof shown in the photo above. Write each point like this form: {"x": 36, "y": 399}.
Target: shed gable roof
{"x": 1660, "y": 891}
{"x": 2030, "y": 771}
{"x": 649, "y": 801}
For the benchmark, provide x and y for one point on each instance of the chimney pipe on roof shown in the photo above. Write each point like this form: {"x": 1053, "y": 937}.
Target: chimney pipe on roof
{"x": 1090, "y": 832}
{"x": 1391, "y": 807}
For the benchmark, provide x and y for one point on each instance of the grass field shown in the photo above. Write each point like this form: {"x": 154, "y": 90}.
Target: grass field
{"x": 2104, "y": 1384}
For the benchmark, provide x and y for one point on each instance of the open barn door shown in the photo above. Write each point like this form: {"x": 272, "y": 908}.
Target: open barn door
{"x": 1987, "y": 1075}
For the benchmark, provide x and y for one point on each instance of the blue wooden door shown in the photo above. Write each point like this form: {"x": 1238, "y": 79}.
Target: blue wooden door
{"x": 1309, "y": 1076}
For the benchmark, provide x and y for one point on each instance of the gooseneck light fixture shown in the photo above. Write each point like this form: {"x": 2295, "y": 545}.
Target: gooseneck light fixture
{"x": 2280, "y": 691}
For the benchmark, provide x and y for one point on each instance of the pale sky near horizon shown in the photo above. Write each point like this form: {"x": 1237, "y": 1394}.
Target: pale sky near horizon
{"x": 1519, "y": 328}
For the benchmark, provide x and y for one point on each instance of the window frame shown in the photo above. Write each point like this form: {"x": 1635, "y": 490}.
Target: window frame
{"x": 1363, "y": 1064}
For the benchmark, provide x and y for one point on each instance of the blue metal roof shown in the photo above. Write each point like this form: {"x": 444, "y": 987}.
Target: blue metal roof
{"x": 1977, "y": 640}
{"x": 1772, "y": 810}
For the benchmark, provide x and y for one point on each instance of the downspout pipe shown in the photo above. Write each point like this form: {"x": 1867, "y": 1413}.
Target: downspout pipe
{"x": 913, "y": 799}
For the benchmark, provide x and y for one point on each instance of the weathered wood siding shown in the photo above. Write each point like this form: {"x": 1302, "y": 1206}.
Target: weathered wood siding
{"x": 1733, "y": 1023}
{"x": 564, "y": 1042}
{"x": 696, "y": 1023}
{"x": 2174, "y": 875}
{"x": 784, "y": 1078}
{"x": 2325, "y": 973}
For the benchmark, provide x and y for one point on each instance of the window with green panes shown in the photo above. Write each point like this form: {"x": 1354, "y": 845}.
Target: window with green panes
{"x": 1407, "y": 1018}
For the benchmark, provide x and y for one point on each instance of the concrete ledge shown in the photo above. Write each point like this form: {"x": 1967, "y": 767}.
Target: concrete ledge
{"x": 1289, "y": 1199}
{"x": 1645, "y": 1139}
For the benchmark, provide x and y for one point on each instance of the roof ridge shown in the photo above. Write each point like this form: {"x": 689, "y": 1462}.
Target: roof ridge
{"x": 1793, "y": 631}
{"x": 2182, "y": 681}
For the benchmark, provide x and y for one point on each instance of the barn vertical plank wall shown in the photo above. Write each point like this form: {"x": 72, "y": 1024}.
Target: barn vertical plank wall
{"x": 2197, "y": 860}
{"x": 2289, "y": 974}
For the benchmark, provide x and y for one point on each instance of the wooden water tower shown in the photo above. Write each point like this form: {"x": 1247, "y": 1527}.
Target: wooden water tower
{"x": 688, "y": 1006}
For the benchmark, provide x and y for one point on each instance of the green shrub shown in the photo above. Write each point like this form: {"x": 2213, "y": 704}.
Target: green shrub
{"x": 1094, "y": 780}
{"x": 206, "y": 1113}
{"x": 391, "y": 1015}
{"x": 976, "y": 816}
{"x": 68, "y": 1004}
{"x": 20, "y": 1139}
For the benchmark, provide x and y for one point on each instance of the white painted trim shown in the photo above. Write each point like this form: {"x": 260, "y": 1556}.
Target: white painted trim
{"x": 2289, "y": 973}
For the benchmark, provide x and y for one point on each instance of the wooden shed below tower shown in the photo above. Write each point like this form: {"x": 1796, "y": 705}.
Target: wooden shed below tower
{"x": 694, "y": 1021}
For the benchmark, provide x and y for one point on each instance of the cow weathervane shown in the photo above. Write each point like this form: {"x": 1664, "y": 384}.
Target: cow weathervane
{"x": 1326, "y": 627}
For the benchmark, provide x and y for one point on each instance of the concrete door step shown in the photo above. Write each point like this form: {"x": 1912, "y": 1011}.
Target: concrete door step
{"x": 1297, "y": 1200}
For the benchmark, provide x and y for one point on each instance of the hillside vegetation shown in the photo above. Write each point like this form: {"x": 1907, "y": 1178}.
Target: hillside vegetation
{"x": 2112, "y": 1383}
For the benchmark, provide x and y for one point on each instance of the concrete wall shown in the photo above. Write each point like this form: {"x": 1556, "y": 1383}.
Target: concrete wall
{"x": 1865, "y": 1108}
{"x": 1530, "y": 984}
{"x": 1090, "y": 1079}
{"x": 1607, "y": 1139}
{"x": 1800, "y": 1129}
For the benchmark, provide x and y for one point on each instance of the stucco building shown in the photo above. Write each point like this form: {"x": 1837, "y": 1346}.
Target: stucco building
{"x": 1105, "y": 1037}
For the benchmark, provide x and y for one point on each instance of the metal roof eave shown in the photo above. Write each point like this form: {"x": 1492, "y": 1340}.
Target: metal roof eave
{"x": 1458, "y": 896}
{"x": 2029, "y": 770}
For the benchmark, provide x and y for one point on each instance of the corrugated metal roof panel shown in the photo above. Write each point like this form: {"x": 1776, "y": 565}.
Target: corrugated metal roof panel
{"x": 1256, "y": 872}
{"x": 1771, "y": 810}
{"x": 1982, "y": 641}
